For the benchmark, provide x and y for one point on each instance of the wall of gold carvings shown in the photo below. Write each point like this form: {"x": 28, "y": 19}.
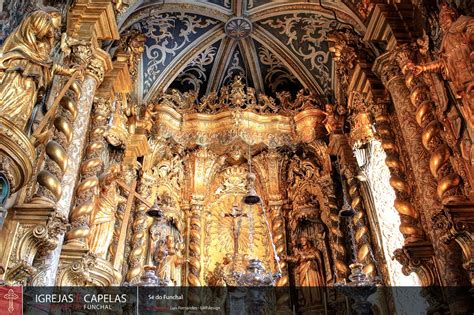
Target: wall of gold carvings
{"x": 82, "y": 171}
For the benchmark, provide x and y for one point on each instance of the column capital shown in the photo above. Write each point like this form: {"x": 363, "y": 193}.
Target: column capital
{"x": 102, "y": 106}
{"x": 97, "y": 61}
{"x": 99, "y": 64}
{"x": 386, "y": 66}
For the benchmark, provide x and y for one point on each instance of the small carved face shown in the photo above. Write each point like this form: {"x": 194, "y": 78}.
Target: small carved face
{"x": 447, "y": 16}
{"x": 169, "y": 240}
{"x": 329, "y": 108}
{"x": 55, "y": 19}
{"x": 303, "y": 240}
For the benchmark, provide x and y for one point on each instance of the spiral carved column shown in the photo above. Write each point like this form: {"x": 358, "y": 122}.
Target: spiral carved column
{"x": 49, "y": 178}
{"x": 448, "y": 182}
{"x": 137, "y": 255}
{"x": 361, "y": 230}
{"x": 338, "y": 248}
{"x": 410, "y": 225}
{"x": 278, "y": 233}
{"x": 339, "y": 145}
{"x": 195, "y": 243}
{"x": 90, "y": 169}
{"x": 279, "y": 239}
{"x": 448, "y": 260}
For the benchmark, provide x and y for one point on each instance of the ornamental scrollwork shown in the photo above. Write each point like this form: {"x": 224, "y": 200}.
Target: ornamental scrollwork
{"x": 305, "y": 35}
{"x": 166, "y": 37}
{"x": 236, "y": 96}
{"x": 277, "y": 74}
{"x": 236, "y": 68}
{"x": 49, "y": 234}
{"x": 195, "y": 73}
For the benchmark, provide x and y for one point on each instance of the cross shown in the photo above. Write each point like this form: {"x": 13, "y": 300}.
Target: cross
{"x": 132, "y": 195}
{"x": 11, "y": 296}
{"x": 236, "y": 214}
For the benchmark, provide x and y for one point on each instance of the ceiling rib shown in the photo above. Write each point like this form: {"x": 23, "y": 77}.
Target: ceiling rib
{"x": 218, "y": 70}
{"x": 251, "y": 60}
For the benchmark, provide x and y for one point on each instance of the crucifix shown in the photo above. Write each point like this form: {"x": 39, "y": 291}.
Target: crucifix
{"x": 236, "y": 214}
{"x": 132, "y": 195}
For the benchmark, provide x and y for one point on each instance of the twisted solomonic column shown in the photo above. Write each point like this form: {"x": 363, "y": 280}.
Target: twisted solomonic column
{"x": 279, "y": 239}
{"x": 448, "y": 181}
{"x": 89, "y": 171}
{"x": 339, "y": 146}
{"x": 361, "y": 230}
{"x": 336, "y": 234}
{"x": 195, "y": 230}
{"x": 49, "y": 178}
{"x": 410, "y": 225}
{"x": 426, "y": 189}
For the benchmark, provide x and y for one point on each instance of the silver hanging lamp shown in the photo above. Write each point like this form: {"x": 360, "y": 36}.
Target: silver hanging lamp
{"x": 155, "y": 211}
{"x": 346, "y": 210}
{"x": 251, "y": 198}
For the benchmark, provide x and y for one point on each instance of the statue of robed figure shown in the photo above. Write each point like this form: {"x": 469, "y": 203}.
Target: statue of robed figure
{"x": 103, "y": 217}
{"x": 309, "y": 272}
{"x": 26, "y": 67}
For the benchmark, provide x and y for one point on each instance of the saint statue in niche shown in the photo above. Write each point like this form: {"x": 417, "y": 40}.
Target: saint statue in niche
{"x": 169, "y": 261}
{"x": 309, "y": 273}
{"x": 103, "y": 217}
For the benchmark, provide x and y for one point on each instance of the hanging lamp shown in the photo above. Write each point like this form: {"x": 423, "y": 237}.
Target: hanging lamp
{"x": 346, "y": 210}
{"x": 155, "y": 211}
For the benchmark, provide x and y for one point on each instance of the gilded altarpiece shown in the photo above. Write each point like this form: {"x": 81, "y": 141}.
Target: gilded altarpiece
{"x": 234, "y": 232}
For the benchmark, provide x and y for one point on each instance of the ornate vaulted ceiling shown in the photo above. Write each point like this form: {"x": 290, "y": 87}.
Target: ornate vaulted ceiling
{"x": 203, "y": 45}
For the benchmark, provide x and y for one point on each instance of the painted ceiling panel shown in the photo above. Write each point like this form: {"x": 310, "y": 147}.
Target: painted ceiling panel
{"x": 282, "y": 49}
{"x": 167, "y": 35}
{"x": 235, "y": 67}
{"x": 196, "y": 75}
{"x": 305, "y": 35}
{"x": 276, "y": 77}
{"x": 251, "y": 4}
{"x": 223, "y": 3}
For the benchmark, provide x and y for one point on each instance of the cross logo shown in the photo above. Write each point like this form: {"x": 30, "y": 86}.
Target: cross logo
{"x": 10, "y": 296}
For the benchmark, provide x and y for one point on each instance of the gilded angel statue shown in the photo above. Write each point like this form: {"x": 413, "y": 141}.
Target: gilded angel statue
{"x": 26, "y": 67}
